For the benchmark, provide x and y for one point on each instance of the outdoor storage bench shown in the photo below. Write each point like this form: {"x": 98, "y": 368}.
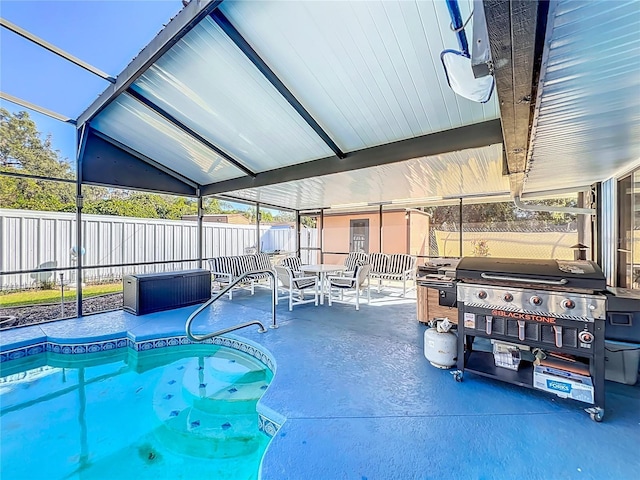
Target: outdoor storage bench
{"x": 154, "y": 292}
{"x": 226, "y": 270}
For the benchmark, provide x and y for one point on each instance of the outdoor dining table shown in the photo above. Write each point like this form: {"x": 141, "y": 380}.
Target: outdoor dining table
{"x": 322, "y": 270}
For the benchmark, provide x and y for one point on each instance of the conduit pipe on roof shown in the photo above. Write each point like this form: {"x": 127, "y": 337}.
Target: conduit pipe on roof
{"x": 549, "y": 208}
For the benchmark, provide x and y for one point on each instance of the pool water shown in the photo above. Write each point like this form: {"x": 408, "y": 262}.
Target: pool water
{"x": 190, "y": 413}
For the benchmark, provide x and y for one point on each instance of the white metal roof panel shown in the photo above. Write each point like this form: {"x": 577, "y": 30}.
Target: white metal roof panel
{"x": 208, "y": 84}
{"x": 368, "y": 72}
{"x": 133, "y": 124}
{"x": 464, "y": 173}
{"x": 588, "y": 123}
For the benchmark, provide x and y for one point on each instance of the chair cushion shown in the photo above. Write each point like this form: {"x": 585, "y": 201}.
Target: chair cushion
{"x": 303, "y": 283}
{"x": 246, "y": 263}
{"x": 398, "y": 263}
{"x": 224, "y": 265}
{"x": 355, "y": 259}
{"x": 379, "y": 262}
{"x": 263, "y": 262}
{"x": 293, "y": 263}
{"x": 343, "y": 282}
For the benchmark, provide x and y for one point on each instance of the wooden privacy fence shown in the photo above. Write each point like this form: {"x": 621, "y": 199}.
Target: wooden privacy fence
{"x": 29, "y": 239}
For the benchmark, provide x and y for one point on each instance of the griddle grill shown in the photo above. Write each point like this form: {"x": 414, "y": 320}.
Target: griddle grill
{"x": 580, "y": 276}
{"x": 555, "y": 306}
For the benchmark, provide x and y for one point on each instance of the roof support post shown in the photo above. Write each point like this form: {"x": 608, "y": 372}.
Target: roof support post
{"x": 200, "y": 237}
{"x": 223, "y": 22}
{"x": 258, "y": 218}
{"x": 82, "y": 139}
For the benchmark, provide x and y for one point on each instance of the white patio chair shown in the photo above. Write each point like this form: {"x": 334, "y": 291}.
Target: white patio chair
{"x": 42, "y": 278}
{"x": 354, "y": 260}
{"x": 355, "y": 282}
{"x": 294, "y": 264}
{"x": 296, "y": 285}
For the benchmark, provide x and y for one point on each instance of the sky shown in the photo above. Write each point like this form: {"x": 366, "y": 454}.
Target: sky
{"x": 105, "y": 34}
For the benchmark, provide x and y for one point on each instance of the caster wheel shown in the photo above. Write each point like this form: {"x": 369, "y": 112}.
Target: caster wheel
{"x": 457, "y": 375}
{"x": 597, "y": 417}
{"x": 596, "y": 414}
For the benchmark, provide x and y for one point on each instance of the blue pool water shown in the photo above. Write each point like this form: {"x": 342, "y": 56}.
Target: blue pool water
{"x": 188, "y": 413}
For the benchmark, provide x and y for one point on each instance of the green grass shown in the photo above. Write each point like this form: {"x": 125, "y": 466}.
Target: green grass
{"x": 35, "y": 297}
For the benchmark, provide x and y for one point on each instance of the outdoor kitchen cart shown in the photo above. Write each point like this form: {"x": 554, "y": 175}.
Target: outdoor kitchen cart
{"x": 550, "y": 312}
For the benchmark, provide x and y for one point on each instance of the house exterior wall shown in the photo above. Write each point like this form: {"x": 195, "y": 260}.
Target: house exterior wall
{"x": 399, "y": 234}
{"x": 419, "y": 233}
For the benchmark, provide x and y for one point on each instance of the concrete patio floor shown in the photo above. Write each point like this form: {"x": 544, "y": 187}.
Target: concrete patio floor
{"x": 360, "y": 401}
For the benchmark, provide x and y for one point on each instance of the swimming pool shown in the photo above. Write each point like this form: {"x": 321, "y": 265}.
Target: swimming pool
{"x": 183, "y": 412}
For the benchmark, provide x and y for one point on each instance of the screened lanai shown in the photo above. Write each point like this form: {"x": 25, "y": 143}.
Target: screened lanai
{"x": 330, "y": 105}
{"x": 338, "y": 112}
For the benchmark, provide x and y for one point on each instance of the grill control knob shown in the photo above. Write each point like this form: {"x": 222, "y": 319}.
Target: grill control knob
{"x": 535, "y": 300}
{"x": 482, "y": 294}
{"x": 585, "y": 337}
{"x": 507, "y": 297}
{"x": 568, "y": 304}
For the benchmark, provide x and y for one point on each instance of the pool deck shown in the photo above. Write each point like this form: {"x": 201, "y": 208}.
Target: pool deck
{"x": 361, "y": 401}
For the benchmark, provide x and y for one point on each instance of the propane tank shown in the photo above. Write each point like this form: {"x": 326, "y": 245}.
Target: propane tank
{"x": 440, "y": 345}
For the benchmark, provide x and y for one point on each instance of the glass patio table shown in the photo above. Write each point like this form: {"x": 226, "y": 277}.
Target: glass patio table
{"x": 322, "y": 270}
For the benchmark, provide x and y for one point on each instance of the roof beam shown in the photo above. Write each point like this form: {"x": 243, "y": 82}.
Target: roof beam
{"x": 177, "y": 28}
{"x": 235, "y": 36}
{"x": 192, "y": 133}
{"x": 53, "y": 49}
{"x": 516, "y": 32}
{"x": 36, "y": 108}
{"x": 471, "y": 136}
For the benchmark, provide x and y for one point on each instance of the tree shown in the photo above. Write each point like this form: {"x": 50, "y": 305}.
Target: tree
{"x": 23, "y": 151}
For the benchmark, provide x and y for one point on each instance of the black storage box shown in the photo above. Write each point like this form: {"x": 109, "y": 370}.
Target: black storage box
{"x": 623, "y": 315}
{"x": 153, "y": 292}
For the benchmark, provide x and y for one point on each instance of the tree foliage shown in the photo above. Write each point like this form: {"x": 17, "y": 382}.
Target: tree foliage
{"x": 504, "y": 213}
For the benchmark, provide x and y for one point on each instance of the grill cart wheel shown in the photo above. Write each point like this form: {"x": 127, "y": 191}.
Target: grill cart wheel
{"x": 596, "y": 413}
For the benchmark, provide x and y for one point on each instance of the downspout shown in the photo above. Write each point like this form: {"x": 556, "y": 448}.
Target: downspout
{"x": 548, "y": 208}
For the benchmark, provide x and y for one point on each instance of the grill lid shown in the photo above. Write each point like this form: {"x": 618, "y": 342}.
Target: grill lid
{"x": 549, "y": 274}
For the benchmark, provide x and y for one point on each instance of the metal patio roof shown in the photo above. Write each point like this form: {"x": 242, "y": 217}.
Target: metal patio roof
{"x": 312, "y": 104}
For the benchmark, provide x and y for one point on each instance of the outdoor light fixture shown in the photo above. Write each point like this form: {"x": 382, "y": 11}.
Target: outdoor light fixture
{"x": 350, "y": 205}
{"x": 471, "y": 79}
{"x": 404, "y": 201}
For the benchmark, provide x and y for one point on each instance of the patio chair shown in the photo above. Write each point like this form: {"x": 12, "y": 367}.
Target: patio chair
{"x": 294, "y": 264}
{"x": 44, "y": 278}
{"x": 355, "y": 282}
{"x": 354, "y": 260}
{"x": 296, "y": 285}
